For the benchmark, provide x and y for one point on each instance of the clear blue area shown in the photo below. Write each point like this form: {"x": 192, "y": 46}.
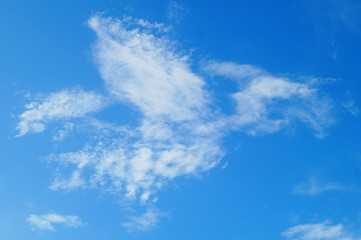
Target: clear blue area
{"x": 45, "y": 47}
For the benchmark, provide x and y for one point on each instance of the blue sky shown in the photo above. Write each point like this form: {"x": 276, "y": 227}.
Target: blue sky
{"x": 180, "y": 120}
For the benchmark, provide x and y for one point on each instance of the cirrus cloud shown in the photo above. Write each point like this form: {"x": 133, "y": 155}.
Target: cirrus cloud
{"x": 179, "y": 129}
{"x": 47, "y": 221}
{"x": 318, "y": 231}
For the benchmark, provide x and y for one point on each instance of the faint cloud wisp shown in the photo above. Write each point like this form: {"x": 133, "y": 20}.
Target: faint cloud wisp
{"x": 318, "y": 231}
{"x": 48, "y": 221}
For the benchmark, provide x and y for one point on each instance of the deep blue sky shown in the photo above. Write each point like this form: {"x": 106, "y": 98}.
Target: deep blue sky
{"x": 300, "y": 180}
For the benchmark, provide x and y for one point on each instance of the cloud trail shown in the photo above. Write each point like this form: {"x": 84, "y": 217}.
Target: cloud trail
{"x": 62, "y": 105}
{"x": 47, "y": 222}
{"x": 318, "y": 231}
{"x": 145, "y": 222}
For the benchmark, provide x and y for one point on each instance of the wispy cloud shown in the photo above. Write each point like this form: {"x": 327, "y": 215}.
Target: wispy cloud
{"x": 145, "y": 222}
{"x": 63, "y": 105}
{"x": 176, "y": 135}
{"x": 232, "y": 70}
{"x": 351, "y": 107}
{"x": 261, "y": 91}
{"x": 142, "y": 69}
{"x": 48, "y": 221}
{"x": 176, "y": 11}
{"x": 318, "y": 231}
{"x": 179, "y": 129}
{"x": 64, "y": 132}
{"x": 314, "y": 187}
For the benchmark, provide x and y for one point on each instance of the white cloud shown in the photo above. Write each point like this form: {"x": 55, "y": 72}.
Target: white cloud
{"x": 178, "y": 131}
{"x": 145, "y": 222}
{"x": 144, "y": 70}
{"x": 232, "y": 70}
{"x": 314, "y": 187}
{"x": 266, "y": 103}
{"x": 47, "y": 222}
{"x": 64, "y": 132}
{"x": 176, "y": 136}
{"x": 66, "y": 104}
{"x": 351, "y": 107}
{"x": 176, "y": 11}
{"x": 139, "y": 167}
{"x": 318, "y": 231}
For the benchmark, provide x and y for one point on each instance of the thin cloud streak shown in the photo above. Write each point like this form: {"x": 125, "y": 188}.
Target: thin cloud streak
{"x": 144, "y": 222}
{"x": 48, "y": 221}
{"x": 313, "y": 187}
{"x": 318, "y": 231}
{"x": 62, "y": 105}
{"x": 176, "y": 11}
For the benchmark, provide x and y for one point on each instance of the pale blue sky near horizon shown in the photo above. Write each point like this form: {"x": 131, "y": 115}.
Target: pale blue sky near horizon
{"x": 136, "y": 119}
